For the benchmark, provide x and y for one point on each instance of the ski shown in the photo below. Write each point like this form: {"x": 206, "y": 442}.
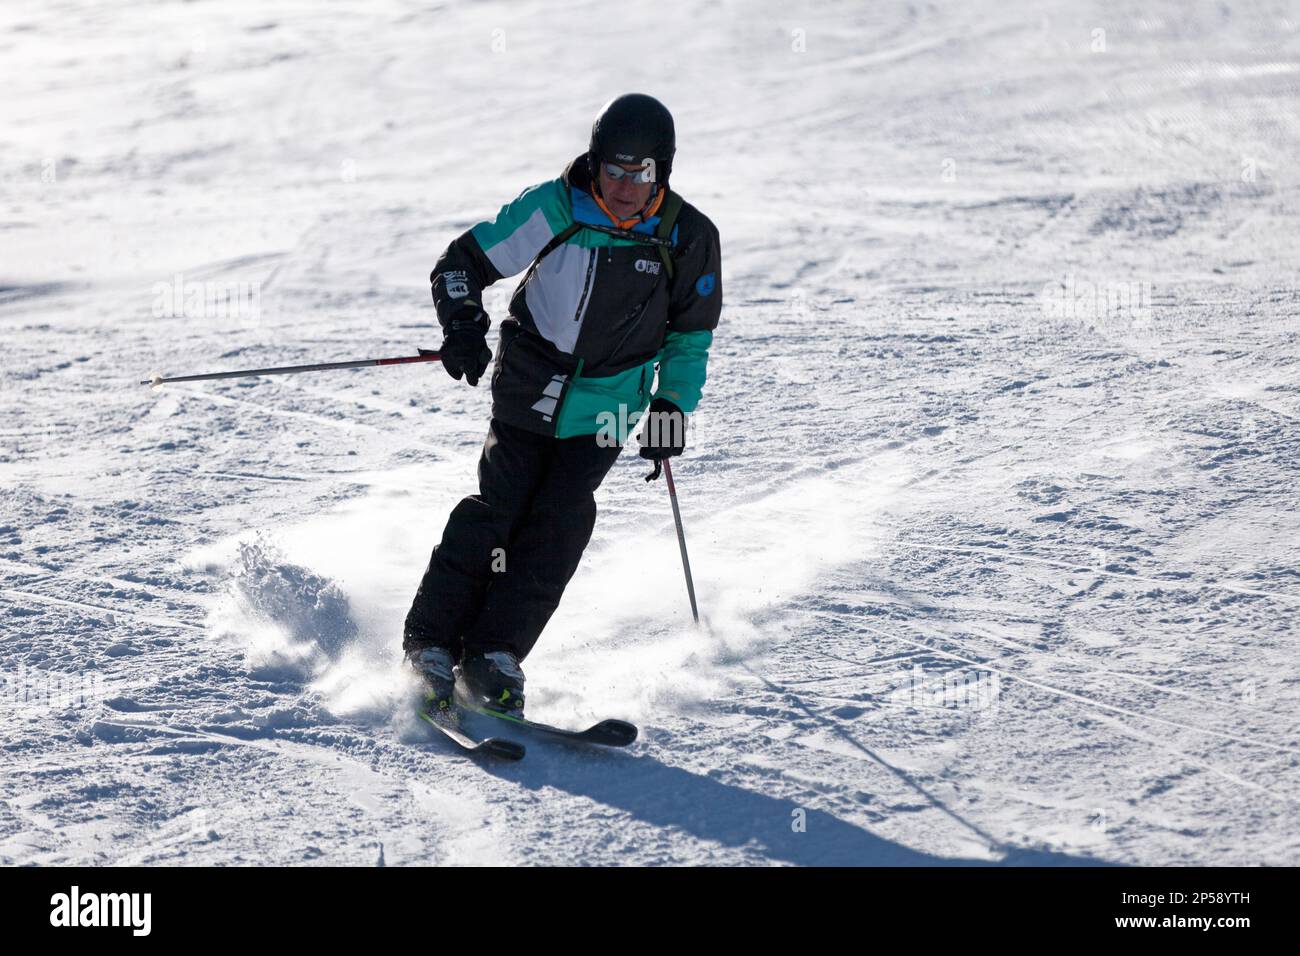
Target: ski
{"x": 489, "y": 746}
{"x": 606, "y": 733}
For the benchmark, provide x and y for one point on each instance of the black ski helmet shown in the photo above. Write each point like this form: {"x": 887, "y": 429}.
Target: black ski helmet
{"x": 630, "y": 129}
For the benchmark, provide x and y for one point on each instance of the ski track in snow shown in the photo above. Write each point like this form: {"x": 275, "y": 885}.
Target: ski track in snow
{"x": 982, "y": 584}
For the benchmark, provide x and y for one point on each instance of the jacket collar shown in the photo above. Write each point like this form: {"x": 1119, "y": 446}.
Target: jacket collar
{"x": 589, "y": 207}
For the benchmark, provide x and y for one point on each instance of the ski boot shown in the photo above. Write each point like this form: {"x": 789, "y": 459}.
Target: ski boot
{"x": 494, "y": 681}
{"x": 435, "y": 665}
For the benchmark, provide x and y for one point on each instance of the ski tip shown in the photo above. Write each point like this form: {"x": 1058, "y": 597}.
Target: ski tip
{"x": 619, "y": 733}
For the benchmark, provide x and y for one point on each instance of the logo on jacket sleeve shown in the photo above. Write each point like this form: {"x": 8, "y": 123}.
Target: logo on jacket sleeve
{"x": 705, "y": 283}
{"x": 456, "y": 283}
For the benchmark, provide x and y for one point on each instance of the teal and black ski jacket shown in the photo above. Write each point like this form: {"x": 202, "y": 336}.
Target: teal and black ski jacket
{"x": 595, "y": 312}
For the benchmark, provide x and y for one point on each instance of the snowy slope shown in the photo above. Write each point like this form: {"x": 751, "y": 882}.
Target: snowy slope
{"x": 991, "y": 500}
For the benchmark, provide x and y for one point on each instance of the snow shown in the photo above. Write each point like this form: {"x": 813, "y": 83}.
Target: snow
{"x": 990, "y": 502}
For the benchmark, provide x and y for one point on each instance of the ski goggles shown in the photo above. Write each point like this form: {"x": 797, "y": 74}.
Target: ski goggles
{"x": 643, "y": 174}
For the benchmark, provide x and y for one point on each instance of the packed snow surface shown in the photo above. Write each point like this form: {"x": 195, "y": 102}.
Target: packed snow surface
{"x": 991, "y": 499}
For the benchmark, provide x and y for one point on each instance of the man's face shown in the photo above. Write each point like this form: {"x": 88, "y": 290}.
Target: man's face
{"x": 625, "y": 197}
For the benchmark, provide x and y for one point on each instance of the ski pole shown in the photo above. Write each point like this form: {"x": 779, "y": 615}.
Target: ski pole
{"x": 681, "y": 539}
{"x": 424, "y": 356}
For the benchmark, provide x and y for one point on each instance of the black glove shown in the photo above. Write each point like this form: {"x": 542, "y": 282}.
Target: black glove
{"x": 464, "y": 348}
{"x": 664, "y": 434}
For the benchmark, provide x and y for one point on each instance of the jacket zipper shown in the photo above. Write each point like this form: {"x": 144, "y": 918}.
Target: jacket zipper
{"x": 564, "y": 393}
{"x": 586, "y": 285}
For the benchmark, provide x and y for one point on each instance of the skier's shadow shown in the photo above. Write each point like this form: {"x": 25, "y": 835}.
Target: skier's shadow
{"x": 765, "y": 827}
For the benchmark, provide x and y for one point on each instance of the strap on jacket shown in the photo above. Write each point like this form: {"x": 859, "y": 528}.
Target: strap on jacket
{"x": 662, "y": 238}
{"x": 667, "y": 220}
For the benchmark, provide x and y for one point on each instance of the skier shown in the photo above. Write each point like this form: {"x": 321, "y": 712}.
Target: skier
{"x": 622, "y": 275}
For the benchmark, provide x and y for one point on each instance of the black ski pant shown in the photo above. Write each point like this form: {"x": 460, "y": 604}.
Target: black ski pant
{"x": 508, "y": 552}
